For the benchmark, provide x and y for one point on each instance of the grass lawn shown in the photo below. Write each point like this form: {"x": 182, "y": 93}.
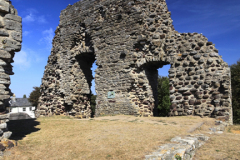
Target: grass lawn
{"x": 110, "y": 137}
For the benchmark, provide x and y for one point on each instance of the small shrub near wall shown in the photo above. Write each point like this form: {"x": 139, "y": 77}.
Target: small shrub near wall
{"x": 235, "y": 80}
{"x": 163, "y": 96}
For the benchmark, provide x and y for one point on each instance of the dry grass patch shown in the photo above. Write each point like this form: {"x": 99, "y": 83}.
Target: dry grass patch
{"x": 115, "y": 137}
{"x": 221, "y": 146}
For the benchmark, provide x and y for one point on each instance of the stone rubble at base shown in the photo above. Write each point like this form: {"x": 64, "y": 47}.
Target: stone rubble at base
{"x": 183, "y": 147}
{"x": 186, "y": 146}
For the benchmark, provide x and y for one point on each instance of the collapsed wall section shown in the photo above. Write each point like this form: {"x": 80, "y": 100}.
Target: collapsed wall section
{"x": 130, "y": 40}
{"x": 10, "y": 42}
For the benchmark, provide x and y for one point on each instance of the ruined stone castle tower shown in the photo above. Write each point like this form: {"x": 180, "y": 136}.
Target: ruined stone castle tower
{"x": 130, "y": 40}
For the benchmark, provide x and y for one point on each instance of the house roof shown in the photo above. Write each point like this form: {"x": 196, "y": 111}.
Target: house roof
{"x": 20, "y": 102}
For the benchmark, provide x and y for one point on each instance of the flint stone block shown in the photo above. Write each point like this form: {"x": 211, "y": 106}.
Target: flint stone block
{"x": 10, "y": 144}
{"x": 2, "y": 147}
{"x": 2, "y": 63}
{"x": 209, "y": 43}
{"x": 174, "y": 105}
{"x": 197, "y": 56}
{"x": 183, "y": 89}
{"x": 175, "y": 113}
{"x": 11, "y": 45}
{"x": 193, "y": 52}
{"x": 213, "y": 55}
{"x": 4, "y": 6}
{"x": 3, "y": 92}
{"x": 1, "y": 24}
{"x": 225, "y": 96}
{"x": 206, "y": 96}
{"x": 13, "y": 17}
{"x": 4, "y": 81}
{"x": 17, "y": 36}
{"x": 191, "y": 102}
{"x": 13, "y": 25}
{"x": 3, "y": 97}
{"x": 201, "y": 61}
{"x": 198, "y": 102}
{"x": 2, "y": 86}
{"x": 200, "y": 44}
{"x": 3, "y": 33}
{"x": 7, "y": 135}
{"x": 193, "y": 90}
{"x": 210, "y": 60}
{"x": 216, "y": 93}
{"x": 5, "y": 54}
{"x": 205, "y": 86}
{"x": 205, "y": 55}
{"x": 3, "y": 126}
{"x": 187, "y": 93}
{"x": 191, "y": 73}
{"x": 156, "y": 36}
{"x": 185, "y": 97}
{"x": 171, "y": 75}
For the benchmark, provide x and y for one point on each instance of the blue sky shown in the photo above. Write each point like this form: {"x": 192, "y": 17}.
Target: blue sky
{"x": 218, "y": 20}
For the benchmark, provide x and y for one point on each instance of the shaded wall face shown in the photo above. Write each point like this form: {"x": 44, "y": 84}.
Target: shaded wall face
{"x": 130, "y": 40}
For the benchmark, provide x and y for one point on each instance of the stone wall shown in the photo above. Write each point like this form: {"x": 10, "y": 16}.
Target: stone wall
{"x": 10, "y": 42}
{"x": 130, "y": 40}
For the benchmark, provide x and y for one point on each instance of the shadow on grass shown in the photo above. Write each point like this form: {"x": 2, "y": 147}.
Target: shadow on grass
{"x": 21, "y": 128}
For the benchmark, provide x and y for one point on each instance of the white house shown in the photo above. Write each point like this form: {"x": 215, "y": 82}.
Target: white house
{"x": 21, "y": 105}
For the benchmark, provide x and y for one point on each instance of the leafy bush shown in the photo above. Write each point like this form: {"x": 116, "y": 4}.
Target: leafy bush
{"x": 93, "y": 104}
{"x": 163, "y": 96}
{"x": 235, "y": 80}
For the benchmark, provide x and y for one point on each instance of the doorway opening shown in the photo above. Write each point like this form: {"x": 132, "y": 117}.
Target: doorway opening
{"x": 157, "y": 74}
{"x": 93, "y": 90}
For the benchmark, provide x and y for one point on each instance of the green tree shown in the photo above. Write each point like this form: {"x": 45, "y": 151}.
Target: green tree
{"x": 93, "y": 104}
{"x": 235, "y": 80}
{"x": 34, "y": 96}
{"x": 24, "y": 96}
{"x": 163, "y": 96}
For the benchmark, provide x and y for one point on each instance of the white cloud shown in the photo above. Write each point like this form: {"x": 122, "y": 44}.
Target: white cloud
{"x": 22, "y": 60}
{"x": 32, "y": 16}
{"x": 26, "y": 33}
{"x": 29, "y": 18}
{"x": 41, "y": 19}
{"x": 48, "y": 37}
